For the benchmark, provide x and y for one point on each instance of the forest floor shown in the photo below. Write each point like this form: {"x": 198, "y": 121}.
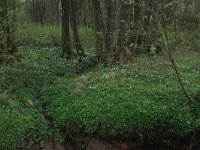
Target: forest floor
{"x": 42, "y": 96}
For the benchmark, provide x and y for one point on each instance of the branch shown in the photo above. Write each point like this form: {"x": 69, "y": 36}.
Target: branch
{"x": 178, "y": 75}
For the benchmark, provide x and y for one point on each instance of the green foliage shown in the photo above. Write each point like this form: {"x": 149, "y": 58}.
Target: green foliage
{"x": 50, "y": 36}
{"x": 19, "y": 124}
{"x": 7, "y": 31}
{"x": 36, "y": 71}
{"x": 123, "y": 99}
{"x": 5, "y": 25}
{"x": 36, "y": 35}
{"x": 22, "y": 85}
{"x": 89, "y": 62}
{"x": 87, "y": 37}
{"x": 104, "y": 101}
{"x": 3, "y": 34}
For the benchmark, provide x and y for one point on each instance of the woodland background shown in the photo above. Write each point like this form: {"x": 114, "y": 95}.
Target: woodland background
{"x": 125, "y": 72}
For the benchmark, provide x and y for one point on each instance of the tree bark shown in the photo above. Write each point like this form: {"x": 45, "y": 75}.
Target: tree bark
{"x": 124, "y": 28}
{"x": 110, "y": 31}
{"x": 100, "y": 33}
{"x": 74, "y": 25}
{"x": 66, "y": 41}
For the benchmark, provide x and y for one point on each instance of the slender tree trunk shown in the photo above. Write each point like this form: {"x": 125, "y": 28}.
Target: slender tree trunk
{"x": 3, "y": 34}
{"x": 124, "y": 28}
{"x": 58, "y": 12}
{"x": 110, "y": 31}
{"x": 66, "y": 41}
{"x": 137, "y": 27}
{"x": 12, "y": 28}
{"x": 100, "y": 40}
{"x": 74, "y": 25}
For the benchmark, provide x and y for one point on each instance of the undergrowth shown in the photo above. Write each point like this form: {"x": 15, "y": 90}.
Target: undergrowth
{"x": 110, "y": 101}
{"x": 42, "y": 93}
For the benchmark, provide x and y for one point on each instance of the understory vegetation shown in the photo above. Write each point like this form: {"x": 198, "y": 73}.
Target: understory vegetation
{"x": 93, "y": 74}
{"x": 42, "y": 94}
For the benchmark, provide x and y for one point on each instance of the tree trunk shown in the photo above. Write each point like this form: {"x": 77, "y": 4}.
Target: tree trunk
{"x": 124, "y": 28}
{"x": 7, "y": 44}
{"x": 66, "y": 41}
{"x": 100, "y": 40}
{"x": 137, "y": 27}
{"x": 74, "y": 25}
{"x": 110, "y": 31}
